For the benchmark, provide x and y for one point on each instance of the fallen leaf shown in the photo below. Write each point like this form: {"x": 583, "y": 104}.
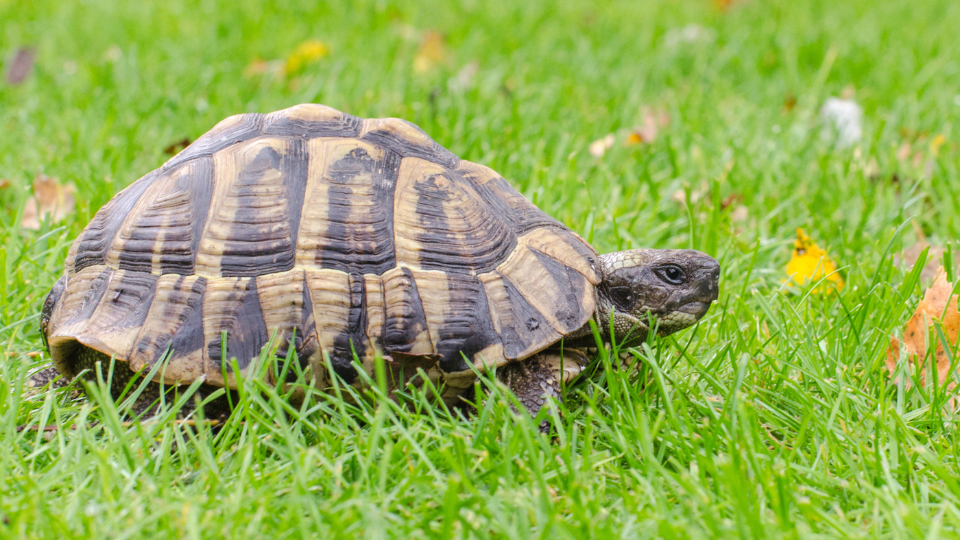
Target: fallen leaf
{"x": 723, "y": 5}
{"x": 912, "y": 134}
{"x": 680, "y": 196}
{"x": 260, "y": 67}
{"x": 113, "y": 54}
{"x": 177, "y": 146}
{"x": 691, "y": 33}
{"x": 653, "y": 121}
{"x": 789, "y": 103}
{"x": 939, "y": 306}
{"x": 407, "y": 31}
{"x": 49, "y": 197}
{"x": 846, "y": 117}
{"x": 465, "y": 76}
{"x": 599, "y": 147}
{"x": 903, "y": 152}
{"x": 430, "y": 53}
{"x": 936, "y": 143}
{"x": 730, "y": 199}
{"x": 909, "y": 257}
{"x": 739, "y": 214}
{"x": 4, "y": 183}
{"x": 21, "y": 65}
{"x": 810, "y": 263}
{"x": 306, "y": 53}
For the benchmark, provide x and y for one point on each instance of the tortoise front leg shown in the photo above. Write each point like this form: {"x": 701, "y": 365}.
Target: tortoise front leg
{"x": 566, "y": 365}
{"x": 537, "y": 378}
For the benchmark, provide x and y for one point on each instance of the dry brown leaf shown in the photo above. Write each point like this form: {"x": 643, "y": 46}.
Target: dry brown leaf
{"x": 430, "y": 53}
{"x": 177, "y": 146}
{"x": 260, "y": 67}
{"x": 730, "y": 199}
{"x": 21, "y": 65}
{"x": 739, "y": 214}
{"x": 464, "y": 77}
{"x": 789, "y": 103}
{"x": 680, "y": 196}
{"x": 904, "y": 151}
{"x": 724, "y": 5}
{"x": 31, "y": 354}
{"x": 911, "y": 255}
{"x": 49, "y": 197}
{"x": 938, "y": 306}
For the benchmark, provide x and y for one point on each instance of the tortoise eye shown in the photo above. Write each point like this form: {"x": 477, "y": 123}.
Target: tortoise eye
{"x": 671, "y": 274}
{"x": 623, "y": 298}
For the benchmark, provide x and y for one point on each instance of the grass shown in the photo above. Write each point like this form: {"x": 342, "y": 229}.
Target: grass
{"x": 773, "y": 418}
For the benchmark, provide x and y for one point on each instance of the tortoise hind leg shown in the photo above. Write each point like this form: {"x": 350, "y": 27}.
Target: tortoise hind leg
{"x": 87, "y": 359}
{"x": 148, "y": 402}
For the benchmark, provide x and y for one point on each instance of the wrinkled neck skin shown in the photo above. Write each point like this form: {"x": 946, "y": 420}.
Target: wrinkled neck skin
{"x": 583, "y": 337}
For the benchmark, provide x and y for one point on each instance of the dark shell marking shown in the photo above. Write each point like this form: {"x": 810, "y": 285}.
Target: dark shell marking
{"x": 329, "y": 234}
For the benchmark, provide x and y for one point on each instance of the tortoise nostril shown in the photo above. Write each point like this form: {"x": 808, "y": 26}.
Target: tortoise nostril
{"x": 709, "y": 289}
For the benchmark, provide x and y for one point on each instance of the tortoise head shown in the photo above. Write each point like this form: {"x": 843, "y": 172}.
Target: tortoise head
{"x": 675, "y": 286}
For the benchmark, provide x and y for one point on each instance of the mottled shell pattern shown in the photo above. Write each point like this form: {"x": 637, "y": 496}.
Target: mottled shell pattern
{"x": 311, "y": 228}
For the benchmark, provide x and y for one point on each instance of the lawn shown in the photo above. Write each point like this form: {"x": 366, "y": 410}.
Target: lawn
{"x": 774, "y": 417}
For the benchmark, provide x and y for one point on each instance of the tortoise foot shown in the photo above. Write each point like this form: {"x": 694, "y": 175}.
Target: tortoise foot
{"x": 533, "y": 381}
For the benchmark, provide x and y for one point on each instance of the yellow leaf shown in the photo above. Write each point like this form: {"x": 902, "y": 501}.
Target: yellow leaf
{"x": 938, "y": 306}
{"x": 432, "y": 51}
{"x": 936, "y": 143}
{"x": 809, "y": 262}
{"x": 307, "y": 52}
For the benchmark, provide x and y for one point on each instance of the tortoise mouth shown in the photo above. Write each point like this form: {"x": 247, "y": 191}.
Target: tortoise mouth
{"x": 697, "y": 309}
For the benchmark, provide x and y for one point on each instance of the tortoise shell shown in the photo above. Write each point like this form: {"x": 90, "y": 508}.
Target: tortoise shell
{"x": 313, "y": 229}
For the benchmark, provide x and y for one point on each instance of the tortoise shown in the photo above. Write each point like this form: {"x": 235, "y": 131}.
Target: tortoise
{"x": 347, "y": 240}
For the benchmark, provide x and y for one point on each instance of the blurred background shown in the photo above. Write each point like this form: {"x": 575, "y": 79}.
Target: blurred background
{"x": 695, "y": 106}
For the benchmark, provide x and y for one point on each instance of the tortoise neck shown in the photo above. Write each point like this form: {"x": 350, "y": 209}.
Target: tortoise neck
{"x": 583, "y": 336}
